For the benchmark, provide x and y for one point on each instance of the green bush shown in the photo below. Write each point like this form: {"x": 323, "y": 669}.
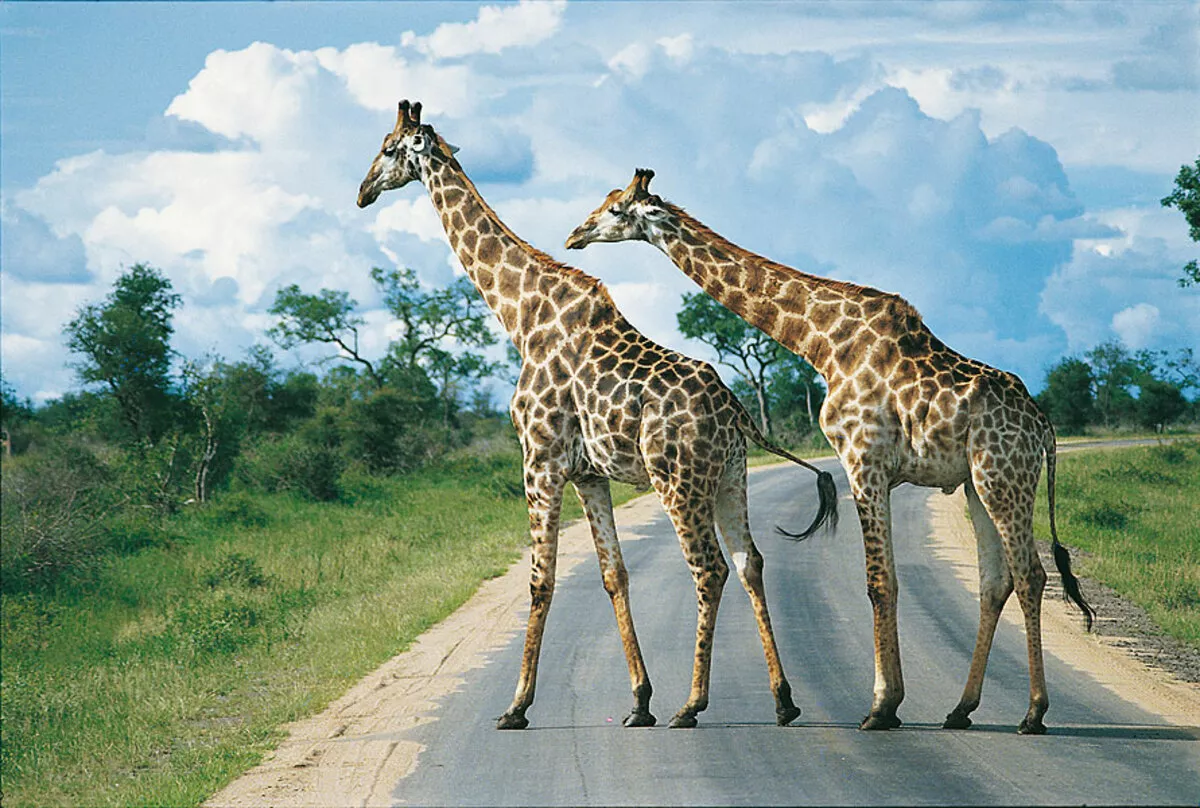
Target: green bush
{"x": 239, "y": 508}
{"x": 292, "y": 464}
{"x": 52, "y": 503}
{"x": 389, "y": 432}
{"x": 1112, "y": 516}
{"x": 236, "y": 569}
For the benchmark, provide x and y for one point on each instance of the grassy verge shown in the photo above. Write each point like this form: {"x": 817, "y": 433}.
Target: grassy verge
{"x": 166, "y": 673}
{"x": 1135, "y": 514}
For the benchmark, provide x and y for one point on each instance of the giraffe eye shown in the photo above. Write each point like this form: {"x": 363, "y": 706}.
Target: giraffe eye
{"x": 390, "y": 150}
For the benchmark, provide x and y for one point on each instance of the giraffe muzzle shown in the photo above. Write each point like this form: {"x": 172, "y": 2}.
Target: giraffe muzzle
{"x": 580, "y": 237}
{"x": 367, "y": 194}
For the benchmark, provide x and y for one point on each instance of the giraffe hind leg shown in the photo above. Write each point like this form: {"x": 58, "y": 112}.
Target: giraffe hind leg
{"x": 734, "y": 523}
{"x": 596, "y": 498}
{"x": 995, "y": 586}
{"x": 698, "y": 539}
{"x": 1010, "y": 505}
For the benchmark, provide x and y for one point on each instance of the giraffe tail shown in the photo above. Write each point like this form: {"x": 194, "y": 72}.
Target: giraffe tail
{"x": 827, "y": 513}
{"x": 1062, "y": 559}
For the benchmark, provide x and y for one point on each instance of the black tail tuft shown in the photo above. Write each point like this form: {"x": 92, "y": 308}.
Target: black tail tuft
{"x": 827, "y": 512}
{"x": 1062, "y": 560}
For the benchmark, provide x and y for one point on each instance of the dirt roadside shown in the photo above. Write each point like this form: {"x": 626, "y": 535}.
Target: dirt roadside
{"x": 355, "y": 752}
{"x": 1109, "y": 655}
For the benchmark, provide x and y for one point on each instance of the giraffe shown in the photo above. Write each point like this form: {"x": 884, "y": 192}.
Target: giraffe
{"x": 597, "y": 401}
{"x": 901, "y": 407}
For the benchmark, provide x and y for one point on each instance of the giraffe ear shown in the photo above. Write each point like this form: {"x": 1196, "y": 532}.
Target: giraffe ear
{"x": 650, "y": 212}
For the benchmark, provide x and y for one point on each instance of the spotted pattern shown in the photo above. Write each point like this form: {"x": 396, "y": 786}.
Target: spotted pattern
{"x": 901, "y": 407}
{"x": 597, "y": 401}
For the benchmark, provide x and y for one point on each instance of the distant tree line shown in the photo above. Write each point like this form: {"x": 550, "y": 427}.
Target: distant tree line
{"x": 153, "y": 431}
{"x": 1112, "y": 387}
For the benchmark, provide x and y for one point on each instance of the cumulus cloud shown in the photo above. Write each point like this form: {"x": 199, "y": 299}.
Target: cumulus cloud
{"x": 1137, "y": 325}
{"x": 495, "y": 29}
{"x": 815, "y": 137}
{"x": 1090, "y": 296}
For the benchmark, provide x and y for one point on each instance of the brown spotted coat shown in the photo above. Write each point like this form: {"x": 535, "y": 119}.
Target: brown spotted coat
{"x": 597, "y": 401}
{"x": 902, "y": 407}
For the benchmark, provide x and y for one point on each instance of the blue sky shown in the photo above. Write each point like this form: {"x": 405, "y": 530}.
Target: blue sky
{"x": 998, "y": 164}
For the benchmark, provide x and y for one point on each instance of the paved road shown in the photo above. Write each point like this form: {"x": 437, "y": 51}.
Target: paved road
{"x": 1100, "y": 750}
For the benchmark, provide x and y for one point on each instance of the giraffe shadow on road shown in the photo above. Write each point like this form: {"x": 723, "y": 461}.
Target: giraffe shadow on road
{"x": 1124, "y": 732}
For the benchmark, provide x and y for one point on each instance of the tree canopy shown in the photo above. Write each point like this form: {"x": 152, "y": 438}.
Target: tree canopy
{"x": 124, "y": 344}
{"x": 1186, "y": 198}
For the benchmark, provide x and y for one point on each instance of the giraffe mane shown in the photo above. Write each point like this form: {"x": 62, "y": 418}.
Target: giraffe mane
{"x": 543, "y": 259}
{"x": 742, "y": 254}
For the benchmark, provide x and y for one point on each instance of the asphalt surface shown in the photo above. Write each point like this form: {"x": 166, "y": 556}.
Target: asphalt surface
{"x": 1099, "y": 750}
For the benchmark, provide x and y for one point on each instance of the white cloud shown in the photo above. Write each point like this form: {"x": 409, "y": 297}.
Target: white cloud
{"x": 258, "y": 92}
{"x": 1137, "y": 325}
{"x": 495, "y": 29}
{"x": 416, "y": 216}
{"x": 677, "y": 48}
{"x": 378, "y": 76}
{"x": 923, "y": 152}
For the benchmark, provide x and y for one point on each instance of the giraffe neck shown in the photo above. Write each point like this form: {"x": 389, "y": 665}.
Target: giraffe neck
{"x": 536, "y": 298}
{"x": 805, "y": 313}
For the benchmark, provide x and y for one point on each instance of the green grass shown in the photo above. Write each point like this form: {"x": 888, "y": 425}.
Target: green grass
{"x": 1135, "y": 514}
{"x": 163, "y": 675}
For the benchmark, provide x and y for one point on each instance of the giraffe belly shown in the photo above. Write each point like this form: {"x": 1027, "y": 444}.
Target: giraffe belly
{"x": 611, "y": 454}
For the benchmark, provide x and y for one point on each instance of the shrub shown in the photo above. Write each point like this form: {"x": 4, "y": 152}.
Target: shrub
{"x": 292, "y": 464}
{"x": 236, "y": 569}
{"x": 217, "y": 624}
{"x": 389, "y": 431}
{"x": 1111, "y": 516}
{"x": 238, "y": 507}
{"x": 52, "y": 504}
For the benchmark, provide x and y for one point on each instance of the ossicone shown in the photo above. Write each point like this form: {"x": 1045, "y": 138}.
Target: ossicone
{"x": 641, "y": 181}
{"x": 408, "y": 115}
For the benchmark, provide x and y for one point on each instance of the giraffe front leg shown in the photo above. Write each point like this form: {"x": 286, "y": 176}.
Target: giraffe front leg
{"x": 596, "y": 498}
{"x": 874, "y": 511}
{"x": 544, "y": 496}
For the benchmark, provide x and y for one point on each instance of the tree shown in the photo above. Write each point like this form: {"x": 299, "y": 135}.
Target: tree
{"x": 1067, "y": 399}
{"x": 797, "y": 391}
{"x": 1114, "y": 372}
{"x": 13, "y": 414}
{"x": 1186, "y": 197}
{"x": 1159, "y": 403}
{"x": 430, "y": 319}
{"x": 750, "y": 353}
{"x": 125, "y": 345}
{"x": 327, "y": 317}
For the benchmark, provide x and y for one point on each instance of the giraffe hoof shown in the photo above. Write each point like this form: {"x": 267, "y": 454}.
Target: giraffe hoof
{"x": 512, "y": 721}
{"x": 875, "y": 722}
{"x": 1035, "y": 727}
{"x": 957, "y": 721}
{"x": 683, "y": 721}
{"x": 787, "y": 715}
{"x": 636, "y": 719}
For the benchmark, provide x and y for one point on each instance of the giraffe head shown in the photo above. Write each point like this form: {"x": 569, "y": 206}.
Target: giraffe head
{"x": 405, "y": 156}
{"x": 625, "y": 215}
